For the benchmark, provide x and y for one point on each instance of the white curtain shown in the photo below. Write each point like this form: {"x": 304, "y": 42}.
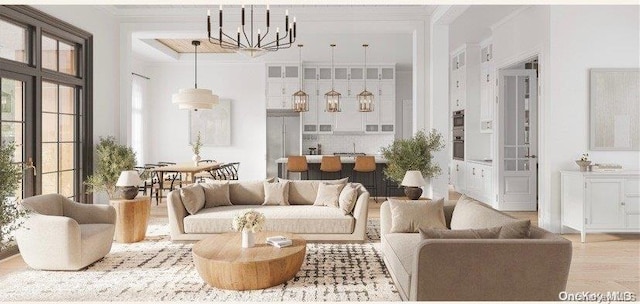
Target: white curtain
{"x": 138, "y": 101}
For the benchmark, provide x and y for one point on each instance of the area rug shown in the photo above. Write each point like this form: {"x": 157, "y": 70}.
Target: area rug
{"x": 158, "y": 270}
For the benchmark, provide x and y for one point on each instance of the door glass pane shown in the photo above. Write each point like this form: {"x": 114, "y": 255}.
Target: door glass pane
{"x": 49, "y": 127}
{"x": 13, "y": 41}
{"x": 49, "y": 97}
{"x": 66, "y": 156}
{"x": 66, "y": 127}
{"x": 49, "y": 53}
{"x": 66, "y": 183}
{"x": 49, "y": 158}
{"x": 11, "y": 100}
{"x": 510, "y": 113}
{"x": 12, "y": 132}
{"x": 67, "y": 100}
{"x": 67, "y": 59}
{"x": 50, "y": 183}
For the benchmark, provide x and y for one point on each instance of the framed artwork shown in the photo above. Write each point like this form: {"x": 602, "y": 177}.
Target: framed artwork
{"x": 214, "y": 125}
{"x": 615, "y": 109}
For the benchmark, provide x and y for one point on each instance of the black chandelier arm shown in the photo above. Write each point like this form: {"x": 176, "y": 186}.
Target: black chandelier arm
{"x": 247, "y": 37}
{"x": 280, "y": 47}
{"x": 263, "y": 36}
{"x": 235, "y": 42}
{"x": 224, "y": 44}
{"x": 277, "y": 41}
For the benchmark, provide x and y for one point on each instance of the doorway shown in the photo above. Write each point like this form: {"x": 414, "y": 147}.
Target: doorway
{"x": 517, "y": 134}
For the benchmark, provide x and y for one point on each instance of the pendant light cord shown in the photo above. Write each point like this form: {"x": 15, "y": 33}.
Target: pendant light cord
{"x": 300, "y": 62}
{"x": 196, "y": 65}
{"x": 365, "y": 66}
{"x": 332, "y": 68}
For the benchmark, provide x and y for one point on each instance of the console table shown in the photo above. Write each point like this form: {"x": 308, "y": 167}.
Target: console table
{"x": 607, "y": 201}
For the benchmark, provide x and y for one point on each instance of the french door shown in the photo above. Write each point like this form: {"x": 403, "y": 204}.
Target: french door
{"x": 17, "y": 124}
{"x": 518, "y": 140}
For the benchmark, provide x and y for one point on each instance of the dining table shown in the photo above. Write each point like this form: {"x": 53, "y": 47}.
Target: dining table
{"x": 190, "y": 169}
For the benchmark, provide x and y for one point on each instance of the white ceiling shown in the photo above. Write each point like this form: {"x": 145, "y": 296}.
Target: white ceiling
{"x": 474, "y": 25}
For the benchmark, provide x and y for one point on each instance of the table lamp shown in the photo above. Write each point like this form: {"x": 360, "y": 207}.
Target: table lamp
{"x": 412, "y": 182}
{"x": 128, "y": 184}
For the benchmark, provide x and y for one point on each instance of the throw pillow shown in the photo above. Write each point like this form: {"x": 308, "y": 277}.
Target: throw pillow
{"x": 471, "y": 214}
{"x": 409, "y": 216}
{"x": 216, "y": 194}
{"x": 516, "y": 230}
{"x": 304, "y": 192}
{"x": 347, "y": 198}
{"x": 328, "y": 195}
{"x": 247, "y": 192}
{"x": 488, "y": 233}
{"x": 192, "y": 198}
{"x": 276, "y": 193}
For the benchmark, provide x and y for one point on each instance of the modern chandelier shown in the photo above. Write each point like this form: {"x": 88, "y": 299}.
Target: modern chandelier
{"x": 300, "y": 98}
{"x": 251, "y": 45}
{"x": 332, "y": 98}
{"x": 194, "y": 99}
{"x": 365, "y": 98}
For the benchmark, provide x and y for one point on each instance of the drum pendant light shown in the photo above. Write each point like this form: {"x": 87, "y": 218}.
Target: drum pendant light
{"x": 365, "y": 98}
{"x": 332, "y": 98}
{"x": 300, "y": 98}
{"x": 195, "y": 99}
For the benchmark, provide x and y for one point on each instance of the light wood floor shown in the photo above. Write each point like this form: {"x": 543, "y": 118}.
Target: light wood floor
{"x": 607, "y": 262}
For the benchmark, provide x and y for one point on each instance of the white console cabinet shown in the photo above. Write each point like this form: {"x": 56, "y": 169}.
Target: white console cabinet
{"x": 601, "y": 201}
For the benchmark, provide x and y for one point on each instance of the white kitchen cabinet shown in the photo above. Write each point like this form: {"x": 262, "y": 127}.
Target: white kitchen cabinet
{"x": 600, "y": 201}
{"x": 487, "y": 87}
{"x": 282, "y": 81}
{"x": 479, "y": 183}
{"x": 458, "y": 175}
{"x": 464, "y": 77}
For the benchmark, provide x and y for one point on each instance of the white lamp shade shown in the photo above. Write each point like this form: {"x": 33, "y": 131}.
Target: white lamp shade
{"x": 129, "y": 178}
{"x": 413, "y": 178}
{"x": 193, "y": 99}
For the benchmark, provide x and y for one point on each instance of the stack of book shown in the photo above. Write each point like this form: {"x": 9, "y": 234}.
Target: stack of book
{"x": 279, "y": 241}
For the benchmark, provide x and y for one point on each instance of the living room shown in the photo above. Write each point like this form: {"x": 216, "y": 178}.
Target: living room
{"x": 124, "y": 69}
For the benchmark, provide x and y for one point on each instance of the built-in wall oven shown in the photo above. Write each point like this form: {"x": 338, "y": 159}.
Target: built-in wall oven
{"x": 458, "y": 135}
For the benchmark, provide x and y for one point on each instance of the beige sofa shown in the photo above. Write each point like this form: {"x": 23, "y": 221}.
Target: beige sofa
{"x": 60, "y": 234}
{"x": 476, "y": 269}
{"x": 314, "y": 223}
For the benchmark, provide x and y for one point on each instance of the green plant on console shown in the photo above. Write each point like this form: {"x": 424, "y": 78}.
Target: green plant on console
{"x": 112, "y": 159}
{"x": 415, "y": 153}
{"x": 10, "y": 212}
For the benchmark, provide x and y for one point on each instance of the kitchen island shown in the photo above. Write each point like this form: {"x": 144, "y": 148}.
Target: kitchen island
{"x": 384, "y": 187}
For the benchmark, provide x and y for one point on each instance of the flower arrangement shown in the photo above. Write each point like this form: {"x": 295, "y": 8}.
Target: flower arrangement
{"x": 196, "y": 146}
{"x": 584, "y": 157}
{"x": 248, "y": 220}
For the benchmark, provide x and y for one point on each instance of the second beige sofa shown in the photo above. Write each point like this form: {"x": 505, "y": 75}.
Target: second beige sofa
{"x": 536, "y": 268}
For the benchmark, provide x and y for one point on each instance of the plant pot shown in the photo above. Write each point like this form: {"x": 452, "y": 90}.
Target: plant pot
{"x": 413, "y": 193}
{"x": 196, "y": 159}
{"x": 248, "y": 239}
{"x": 583, "y": 164}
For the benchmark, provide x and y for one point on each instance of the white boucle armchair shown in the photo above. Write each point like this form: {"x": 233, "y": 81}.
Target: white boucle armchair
{"x": 60, "y": 234}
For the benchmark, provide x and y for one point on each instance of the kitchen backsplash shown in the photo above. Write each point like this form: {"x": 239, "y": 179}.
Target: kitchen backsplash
{"x": 369, "y": 144}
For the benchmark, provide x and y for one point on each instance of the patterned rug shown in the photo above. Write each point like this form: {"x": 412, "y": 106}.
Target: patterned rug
{"x": 158, "y": 270}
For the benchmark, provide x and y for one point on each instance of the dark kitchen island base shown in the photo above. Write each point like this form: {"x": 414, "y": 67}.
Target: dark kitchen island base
{"x": 385, "y": 188}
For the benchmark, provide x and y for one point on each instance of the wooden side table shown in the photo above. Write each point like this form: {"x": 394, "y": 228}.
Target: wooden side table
{"x": 132, "y": 217}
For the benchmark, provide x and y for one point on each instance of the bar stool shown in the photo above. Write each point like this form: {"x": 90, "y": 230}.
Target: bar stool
{"x": 297, "y": 164}
{"x": 367, "y": 164}
{"x": 330, "y": 164}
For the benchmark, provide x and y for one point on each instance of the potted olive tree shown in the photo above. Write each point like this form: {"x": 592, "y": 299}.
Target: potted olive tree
{"x": 112, "y": 159}
{"x": 10, "y": 212}
{"x": 413, "y": 154}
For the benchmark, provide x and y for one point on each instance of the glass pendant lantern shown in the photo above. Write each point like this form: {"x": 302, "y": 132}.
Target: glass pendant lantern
{"x": 300, "y": 98}
{"x": 365, "y": 98}
{"x": 332, "y": 98}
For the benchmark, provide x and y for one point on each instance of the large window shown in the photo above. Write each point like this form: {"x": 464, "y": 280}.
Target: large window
{"x": 45, "y": 81}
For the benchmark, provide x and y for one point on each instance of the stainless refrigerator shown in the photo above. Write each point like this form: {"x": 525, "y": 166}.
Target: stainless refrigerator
{"x": 283, "y": 137}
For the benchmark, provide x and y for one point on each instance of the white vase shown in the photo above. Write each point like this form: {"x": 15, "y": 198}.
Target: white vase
{"x": 196, "y": 159}
{"x": 248, "y": 239}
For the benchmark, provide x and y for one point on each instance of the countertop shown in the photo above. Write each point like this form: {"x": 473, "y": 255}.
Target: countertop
{"x": 315, "y": 159}
{"x": 487, "y": 162}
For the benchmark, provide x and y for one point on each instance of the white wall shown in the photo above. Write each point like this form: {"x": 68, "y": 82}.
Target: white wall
{"x": 404, "y": 91}
{"x": 584, "y": 37}
{"x": 106, "y": 72}
{"x": 243, "y": 84}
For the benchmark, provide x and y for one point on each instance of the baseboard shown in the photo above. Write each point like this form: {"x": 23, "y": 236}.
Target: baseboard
{"x": 9, "y": 252}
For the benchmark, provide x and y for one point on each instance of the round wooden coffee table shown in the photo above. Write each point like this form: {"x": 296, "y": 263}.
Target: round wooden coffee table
{"x": 223, "y": 263}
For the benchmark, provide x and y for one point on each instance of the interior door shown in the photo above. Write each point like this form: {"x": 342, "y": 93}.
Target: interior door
{"x": 517, "y": 156}
{"x": 17, "y": 125}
